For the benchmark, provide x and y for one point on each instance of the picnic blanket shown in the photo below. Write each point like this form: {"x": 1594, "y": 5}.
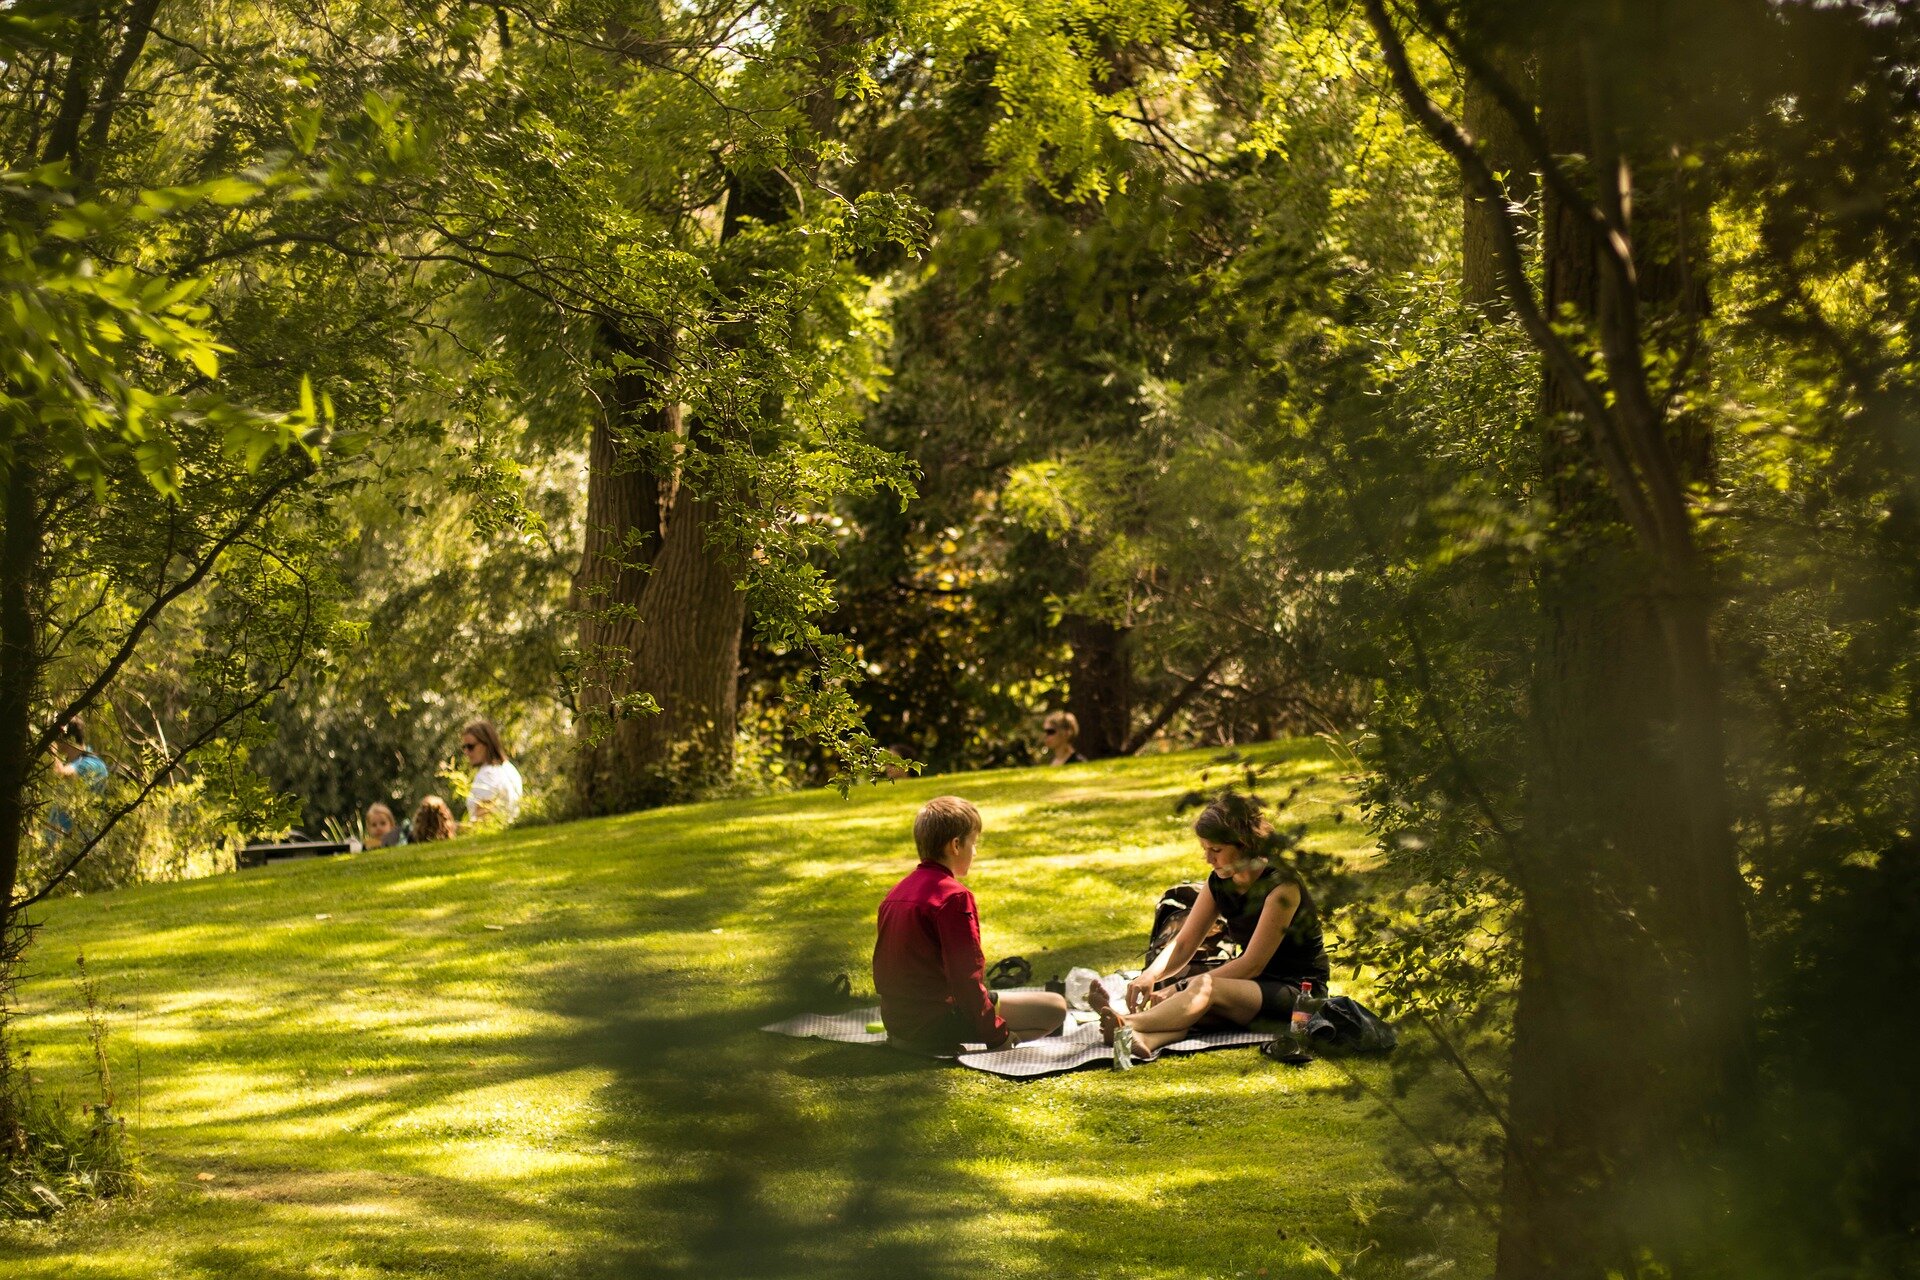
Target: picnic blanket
{"x": 1078, "y": 1044}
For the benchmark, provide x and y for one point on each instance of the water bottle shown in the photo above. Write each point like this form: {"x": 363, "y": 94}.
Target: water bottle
{"x": 1303, "y": 1007}
{"x": 1295, "y": 1046}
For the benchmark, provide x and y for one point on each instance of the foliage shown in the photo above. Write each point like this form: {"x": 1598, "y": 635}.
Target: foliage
{"x": 193, "y": 481}
{"x": 422, "y": 218}
{"x": 53, "y": 1154}
{"x": 181, "y": 831}
{"x": 72, "y": 1156}
{"x": 462, "y": 603}
{"x": 1082, "y": 369}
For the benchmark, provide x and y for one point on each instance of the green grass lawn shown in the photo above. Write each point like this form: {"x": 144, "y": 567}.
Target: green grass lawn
{"x": 535, "y": 1055}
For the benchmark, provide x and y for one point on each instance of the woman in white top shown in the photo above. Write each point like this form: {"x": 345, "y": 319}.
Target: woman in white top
{"x": 495, "y": 791}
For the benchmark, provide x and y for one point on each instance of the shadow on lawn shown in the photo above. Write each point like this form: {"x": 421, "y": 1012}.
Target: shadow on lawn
{"x": 713, "y": 1149}
{"x": 833, "y": 1169}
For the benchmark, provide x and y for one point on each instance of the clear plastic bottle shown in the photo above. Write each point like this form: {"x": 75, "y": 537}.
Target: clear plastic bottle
{"x": 1304, "y": 1006}
{"x": 1295, "y": 1046}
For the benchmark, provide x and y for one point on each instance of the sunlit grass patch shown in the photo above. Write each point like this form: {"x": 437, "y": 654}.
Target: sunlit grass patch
{"x": 535, "y": 1055}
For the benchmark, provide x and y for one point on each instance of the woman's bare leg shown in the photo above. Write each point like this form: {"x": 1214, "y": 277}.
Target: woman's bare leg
{"x": 1170, "y": 1020}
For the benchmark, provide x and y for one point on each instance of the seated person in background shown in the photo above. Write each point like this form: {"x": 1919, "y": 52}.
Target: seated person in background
{"x": 1267, "y": 910}
{"x": 74, "y": 759}
{"x": 495, "y": 790}
{"x": 433, "y": 821}
{"x": 383, "y": 831}
{"x": 927, "y": 962}
{"x": 1057, "y": 733}
{"x": 895, "y": 772}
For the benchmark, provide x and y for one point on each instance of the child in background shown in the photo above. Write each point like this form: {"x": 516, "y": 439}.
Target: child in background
{"x": 927, "y": 962}
{"x": 74, "y": 759}
{"x": 383, "y": 830}
{"x": 433, "y": 821}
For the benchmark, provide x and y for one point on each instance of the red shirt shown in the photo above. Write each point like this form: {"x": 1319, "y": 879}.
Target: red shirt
{"x": 928, "y": 966}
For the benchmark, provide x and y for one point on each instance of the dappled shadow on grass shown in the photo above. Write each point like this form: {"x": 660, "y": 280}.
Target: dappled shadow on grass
{"x": 537, "y": 1056}
{"x": 829, "y": 1061}
{"x": 771, "y": 1175}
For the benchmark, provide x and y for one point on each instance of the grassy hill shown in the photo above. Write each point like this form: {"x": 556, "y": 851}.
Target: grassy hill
{"x": 535, "y": 1055}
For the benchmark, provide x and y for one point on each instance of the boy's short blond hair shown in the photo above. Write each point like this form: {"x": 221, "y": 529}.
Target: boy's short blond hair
{"x": 941, "y": 821}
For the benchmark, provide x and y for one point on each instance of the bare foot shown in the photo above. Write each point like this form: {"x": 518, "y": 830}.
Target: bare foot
{"x": 1101, "y": 1003}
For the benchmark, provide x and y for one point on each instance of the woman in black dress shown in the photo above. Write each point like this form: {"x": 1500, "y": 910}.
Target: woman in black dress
{"x": 1265, "y": 908}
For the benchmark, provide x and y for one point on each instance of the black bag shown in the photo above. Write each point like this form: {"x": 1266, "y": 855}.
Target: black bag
{"x": 1175, "y": 905}
{"x": 1347, "y": 1026}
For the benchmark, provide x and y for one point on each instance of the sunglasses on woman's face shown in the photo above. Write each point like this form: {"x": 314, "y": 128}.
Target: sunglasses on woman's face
{"x": 1048, "y": 733}
{"x": 469, "y": 746}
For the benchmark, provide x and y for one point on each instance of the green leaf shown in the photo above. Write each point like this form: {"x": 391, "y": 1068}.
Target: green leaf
{"x": 229, "y": 190}
{"x": 303, "y": 128}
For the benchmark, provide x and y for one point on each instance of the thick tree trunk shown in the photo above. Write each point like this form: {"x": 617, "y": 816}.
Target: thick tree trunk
{"x": 671, "y": 625}
{"x": 689, "y": 660}
{"x": 1100, "y": 685}
{"x": 624, "y": 528}
{"x": 1494, "y": 132}
{"x": 1629, "y": 1048}
{"x": 661, "y": 616}
{"x": 20, "y": 548}
{"x": 684, "y": 655}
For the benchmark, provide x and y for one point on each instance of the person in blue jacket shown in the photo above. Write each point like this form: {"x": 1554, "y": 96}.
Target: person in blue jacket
{"x": 74, "y": 759}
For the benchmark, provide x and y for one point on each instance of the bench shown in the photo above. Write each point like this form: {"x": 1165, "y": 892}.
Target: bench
{"x": 259, "y": 855}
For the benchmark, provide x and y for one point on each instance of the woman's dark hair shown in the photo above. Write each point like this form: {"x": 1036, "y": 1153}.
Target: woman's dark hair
{"x": 483, "y": 732}
{"x": 74, "y": 731}
{"x": 1236, "y": 820}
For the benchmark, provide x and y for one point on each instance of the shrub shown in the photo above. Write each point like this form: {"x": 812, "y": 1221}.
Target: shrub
{"x": 178, "y": 833}
{"x": 52, "y": 1153}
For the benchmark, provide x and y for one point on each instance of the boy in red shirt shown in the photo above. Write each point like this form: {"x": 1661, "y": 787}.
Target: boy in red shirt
{"x": 927, "y": 963}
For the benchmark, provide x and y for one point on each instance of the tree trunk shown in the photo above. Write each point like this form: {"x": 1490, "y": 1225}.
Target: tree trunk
{"x": 669, "y": 627}
{"x": 1099, "y": 685}
{"x": 624, "y": 528}
{"x": 1498, "y": 139}
{"x": 661, "y": 616}
{"x": 20, "y": 549}
{"x": 20, "y": 541}
{"x": 1629, "y": 1049}
{"x": 685, "y": 656}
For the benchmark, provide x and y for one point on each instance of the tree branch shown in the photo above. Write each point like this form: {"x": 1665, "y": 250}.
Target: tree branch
{"x": 1634, "y": 502}
{"x": 155, "y": 607}
{"x": 1187, "y": 693}
{"x": 139, "y": 25}
{"x": 160, "y": 774}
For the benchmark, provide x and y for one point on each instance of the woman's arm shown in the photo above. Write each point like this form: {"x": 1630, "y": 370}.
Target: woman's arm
{"x": 1174, "y": 956}
{"x": 1276, "y": 913}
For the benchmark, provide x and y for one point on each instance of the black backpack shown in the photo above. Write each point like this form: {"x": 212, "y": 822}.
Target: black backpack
{"x": 1175, "y": 905}
{"x": 1345, "y": 1024}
